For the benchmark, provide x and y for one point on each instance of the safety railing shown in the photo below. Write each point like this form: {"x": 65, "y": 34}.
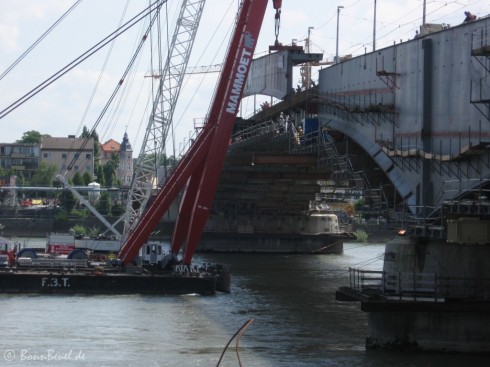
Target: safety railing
{"x": 366, "y": 281}
{"x": 254, "y": 131}
{"x": 480, "y": 42}
{"x": 413, "y": 285}
{"x": 299, "y": 142}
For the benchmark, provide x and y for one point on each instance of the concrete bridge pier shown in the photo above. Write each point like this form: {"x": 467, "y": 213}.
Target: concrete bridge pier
{"x": 436, "y": 294}
{"x": 461, "y": 332}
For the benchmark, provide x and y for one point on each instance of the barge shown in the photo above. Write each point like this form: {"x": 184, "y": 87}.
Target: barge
{"x": 274, "y": 243}
{"x": 70, "y": 281}
{"x": 313, "y": 232}
{"x": 97, "y": 280}
{"x": 153, "y": 272}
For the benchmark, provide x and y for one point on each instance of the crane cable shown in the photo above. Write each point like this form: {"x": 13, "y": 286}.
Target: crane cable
{"x": 133, "y": 21}
{"x": 101, "y": 73}
{"x": 121, "y": 81}
{"x": 196, "y": 89}
{"x": 26, "y": 52}
{"x": 80, "y": 127}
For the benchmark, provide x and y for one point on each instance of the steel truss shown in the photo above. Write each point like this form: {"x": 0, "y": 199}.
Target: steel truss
{"x": 170, "y": 82}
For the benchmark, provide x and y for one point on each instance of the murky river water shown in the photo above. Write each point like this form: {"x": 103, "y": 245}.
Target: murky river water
{"x": 296, "y": 321}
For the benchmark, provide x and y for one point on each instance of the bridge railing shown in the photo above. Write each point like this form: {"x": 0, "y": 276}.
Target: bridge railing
{"x": 480, "y": 41}
{"x": 254, "y": 131}
{"x": 298, "y": 141}
{"x": 366, "y": 281}
{"x": 413, "y": 285}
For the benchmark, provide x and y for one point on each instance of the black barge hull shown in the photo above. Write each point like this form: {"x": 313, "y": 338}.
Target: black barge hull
{"x": 274, "y": 243}
{"x": 117, "y": 283}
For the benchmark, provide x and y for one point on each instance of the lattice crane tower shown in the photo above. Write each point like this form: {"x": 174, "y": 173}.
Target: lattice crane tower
{"x": 165, "y": 100}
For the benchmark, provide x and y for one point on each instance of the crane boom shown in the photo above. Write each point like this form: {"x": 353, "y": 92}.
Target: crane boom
{"x": 202, "y": 164}
{"x": 171, "y": 80}
{"x": 110, "y": 227}
{"x": 224, "y": 111}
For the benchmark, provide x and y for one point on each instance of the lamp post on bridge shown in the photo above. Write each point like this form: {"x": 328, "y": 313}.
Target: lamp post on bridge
{"x": 308, "y": 66}
{"x": 308, "y": 40}
{"x": 374, "y": 28}
{"x": 337, "y": 43}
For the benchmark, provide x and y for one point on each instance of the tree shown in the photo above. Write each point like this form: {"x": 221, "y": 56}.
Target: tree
{"x": 19, "y": 177}
{"x": 99, "y": 174}
{"x": 86, "y": 133}
{"x": 163, "y": 160}
{"x": 104, "y": 206}
{"x": 171, "y": 161}
{"x": 44, "y": 175}
{"x": 67, "y": 200}
{"x": 359, "y": 206}
{"x": 87, "y": 178}
{"x": 109, "y": 171}
{"x": 77, "y": 179}
{"x": 31, "y": 137}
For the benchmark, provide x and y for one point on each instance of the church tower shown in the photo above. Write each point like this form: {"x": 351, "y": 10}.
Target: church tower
{"x": 125, "y": 173}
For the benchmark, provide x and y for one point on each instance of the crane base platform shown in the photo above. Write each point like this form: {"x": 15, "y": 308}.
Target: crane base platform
{"x": 99, "y": 282}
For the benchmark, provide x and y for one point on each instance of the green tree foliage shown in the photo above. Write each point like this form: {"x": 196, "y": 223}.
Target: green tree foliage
{"x": 79, "y": 230}
{"x": 92, "y": 134}
{"x": 99, "y": 173}
{"x": 104, "y": 206}
{"x": 87, "y": 178}
{"x": 31, "y": 137}
{"x": 117, "y": 210}
{"x": 81, "y": 212}
{"x": 44, "y": 175}
{"x": 359, "y": 204}
{"x": 20, "y": 180}
{"x": 77, "y": 179}
{"x": 361, "y": 235}
{"x": 109, "y": 170}
{"x": 67, "y": 200}
{"x": 170, "y": 161}
{"x": 61, "y": 216}
{"x": 163, "y": 160}
{"x": 94, "y": 231}
{"x": 86, "y": 133}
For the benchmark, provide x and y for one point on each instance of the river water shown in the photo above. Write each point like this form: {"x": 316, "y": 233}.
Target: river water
{"x": 291, "y": 300}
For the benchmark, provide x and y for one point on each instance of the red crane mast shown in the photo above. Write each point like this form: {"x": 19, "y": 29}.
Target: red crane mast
{"x": 200, "y": 168}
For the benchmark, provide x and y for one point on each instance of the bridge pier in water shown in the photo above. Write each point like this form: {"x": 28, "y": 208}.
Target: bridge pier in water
{"x": 432, "y": 295}
{"x": 436, "y": 296}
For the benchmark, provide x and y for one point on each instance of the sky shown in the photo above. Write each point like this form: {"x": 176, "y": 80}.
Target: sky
{"x": 78, "y": 98}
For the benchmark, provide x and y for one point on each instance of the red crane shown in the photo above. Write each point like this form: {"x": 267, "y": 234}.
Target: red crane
{"x": 200, "y": 168}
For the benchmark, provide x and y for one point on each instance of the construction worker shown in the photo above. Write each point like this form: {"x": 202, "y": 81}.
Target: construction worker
{"x": 469, "y": 17}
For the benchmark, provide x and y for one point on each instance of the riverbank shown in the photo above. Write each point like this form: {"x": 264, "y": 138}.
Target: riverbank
{"x": 378, "y": 233}
{"x": 40, "y": 227}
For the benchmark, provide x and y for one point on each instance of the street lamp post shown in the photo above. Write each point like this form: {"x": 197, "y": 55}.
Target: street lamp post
{"x": 308, "y": 46}
{"x": 374, "y": 28}
{"x": 337, "y": 44}
{"x": 308, "y": 66}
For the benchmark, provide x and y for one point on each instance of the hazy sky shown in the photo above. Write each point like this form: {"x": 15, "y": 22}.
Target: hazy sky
{"x": 63, "y": 107}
